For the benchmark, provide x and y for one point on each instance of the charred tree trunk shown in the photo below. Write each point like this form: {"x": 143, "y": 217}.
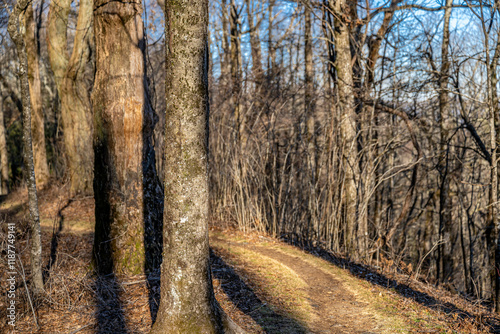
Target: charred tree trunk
{"x": 126, "y": 190}
{"x": 188, "y": 304}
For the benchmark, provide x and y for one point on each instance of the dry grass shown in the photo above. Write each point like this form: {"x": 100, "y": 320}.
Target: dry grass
{"x": 259, "y": 293}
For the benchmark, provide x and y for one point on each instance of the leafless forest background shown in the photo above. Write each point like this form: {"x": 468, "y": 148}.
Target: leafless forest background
{"x": 367, "y": 128}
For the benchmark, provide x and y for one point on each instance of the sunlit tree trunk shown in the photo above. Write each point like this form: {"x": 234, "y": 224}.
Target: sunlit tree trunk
{"x": 187, "y": 303}
{"x": 37, "y": 120}
{"x": 125, "y": 185}
{"x": 72, "y": 88}
{"x": 347, "y": 117}
{"x": 23, "y": 8}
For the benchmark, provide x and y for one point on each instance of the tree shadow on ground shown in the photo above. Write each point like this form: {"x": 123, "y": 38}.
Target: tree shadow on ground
{"x": 245, "y": 299}
{"x": 369, "y": 274}
{"x": 54, "y": 242}
{"x": 110, "y": 315}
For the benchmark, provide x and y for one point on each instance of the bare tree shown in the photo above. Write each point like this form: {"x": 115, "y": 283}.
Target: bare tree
{"x": 73, "y": 91}
{"x": 23, "y": 8}
{"x": 37, "y": 119}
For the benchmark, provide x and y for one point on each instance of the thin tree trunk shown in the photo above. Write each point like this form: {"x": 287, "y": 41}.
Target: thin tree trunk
{"x": 309, "y": 106}
{"x": 271, "y": 51}
{"x": 445, "y": 261}
{"x": 4, "y": 157}
{"x": 37, "y": 121}
{"x": 126, "y": 191}
{"x": 495, "y": 150}
{"x": 36, "y": 243}
{"x": 188, "y": 304}
{"x": 226, "y": 62}
{"x": 258, "y": 72}
{"x": 73, "y": 92}
{"x": 236, "y": 74}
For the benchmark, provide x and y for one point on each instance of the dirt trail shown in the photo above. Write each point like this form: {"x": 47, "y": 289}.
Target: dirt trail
{"x": 337, "y": 310}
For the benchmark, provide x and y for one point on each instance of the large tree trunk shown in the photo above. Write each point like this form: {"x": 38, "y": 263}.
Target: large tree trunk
{"x": 37, "y": 122}
{"x": 36, "y": 242}
{"x": 187, "y": 303}
{"x": 347, "y": 117}
{"x": 73, "y": 92}
{"x": 125, "y": 183}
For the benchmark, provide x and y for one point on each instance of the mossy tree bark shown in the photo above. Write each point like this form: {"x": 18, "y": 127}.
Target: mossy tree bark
{"x": 187, "y": 303}
{"x": 22, "y": 7}
{"x": 72, "y": 88}
{"x": 126, "y": 190}
{"x": 37, "y": 121}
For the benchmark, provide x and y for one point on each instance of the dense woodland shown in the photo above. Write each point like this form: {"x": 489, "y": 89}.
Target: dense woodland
{"x": 370, "y": 129}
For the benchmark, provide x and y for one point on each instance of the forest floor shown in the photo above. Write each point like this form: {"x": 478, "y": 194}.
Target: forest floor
{"x": 265, "y": 285}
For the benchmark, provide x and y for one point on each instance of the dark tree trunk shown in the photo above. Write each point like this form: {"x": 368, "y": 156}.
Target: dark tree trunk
{"x": 126, "y": 190}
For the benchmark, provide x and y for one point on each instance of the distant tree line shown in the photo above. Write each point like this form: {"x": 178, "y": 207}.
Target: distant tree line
{"x": 371, "y": 129}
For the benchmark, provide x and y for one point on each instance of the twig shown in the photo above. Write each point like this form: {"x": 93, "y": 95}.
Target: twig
{"x": 27, "y": 292}
{"x": 439, "y": 242}
{"x": 79, "y": 329}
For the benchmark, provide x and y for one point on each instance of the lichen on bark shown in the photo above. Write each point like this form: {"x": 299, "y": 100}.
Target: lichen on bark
{"x": 187, "y": 303}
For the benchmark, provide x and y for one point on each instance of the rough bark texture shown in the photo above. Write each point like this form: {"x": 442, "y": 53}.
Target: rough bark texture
{"x": 36, "y": 243}
{"x": 37, "y": 122}
{"x": 347, "y": 118}
{"x": 187, "y": 303}
{"x": 73, "y": 93}
{"x": 126, "y": 191}
{"x": 444, "y": 269}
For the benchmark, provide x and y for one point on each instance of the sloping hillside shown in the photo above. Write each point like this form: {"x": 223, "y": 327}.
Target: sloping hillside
{"x": 265, "y": 285}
